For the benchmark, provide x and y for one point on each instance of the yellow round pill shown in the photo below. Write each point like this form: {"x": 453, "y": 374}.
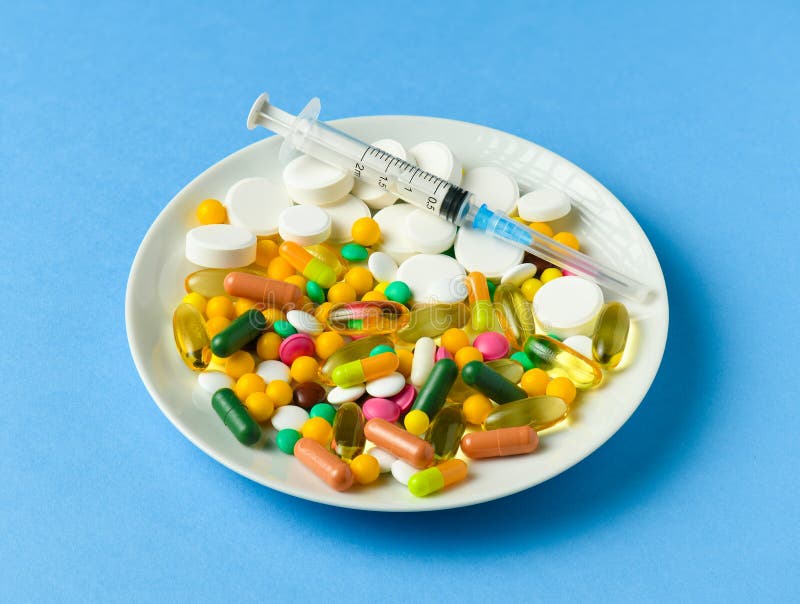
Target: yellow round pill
{"x": 297, "y": 280}
{"x": 563, "y": 388}
{"x": 568, "y": 239}
{"x": 304, "y": 369}
{"x": 366, "y": 231}
{"x": 476, "y": 408}
{"x": 365, "y": 468}
{"x": 216, "y": 324}
{"x": 196, "y": 300}
{"x": 248, "y": 384}
{"x": 529, "y": 288}
{"x": 239, "y": 363}
{"x": 454, "y": 339}
{"x": 549, "y": 274}
{"x": 273, "y": 314}
{"x": 374, "y": 296}
{"x": 279, "y": 268}
{"x": 259, "y": 406}
{"x": 267, "y": 345}
{"x": 280, "y": 392}
{"x": 220, "y": 306}
{"x": 405, "y": 358}
{"x": 360, "y": 279}
{"x": 242, "y": 305}
{"x": 266, "y": 251}
{"x": 342, "y": 292}
{"x": 534, "y": 382}
{"x": 211, "y": 211}
{"x": 327, "y": 343}
{"x": 381, "y": 287}
{"x": 543, "y": 228}
{"x": 318, "y": 429}
{"x": 467, "y": 354}
{"x": 417, "y": 422}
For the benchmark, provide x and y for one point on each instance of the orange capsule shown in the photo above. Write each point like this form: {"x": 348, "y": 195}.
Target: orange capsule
{"x": 500, "y": 443}
{"x": 364, "y": 370}
{"x": 480, "y": 301}
{"x": 269, "y": 292}
{"x": 324, "y": 464}
{"x": 312, "y": 268}
{"x": 398, "y": 442}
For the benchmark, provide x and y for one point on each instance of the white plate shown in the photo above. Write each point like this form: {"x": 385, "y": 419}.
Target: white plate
{"x": 604, "y": 226}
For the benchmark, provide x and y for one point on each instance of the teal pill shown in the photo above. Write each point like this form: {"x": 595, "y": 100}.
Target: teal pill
{"x": 315, "y": 293}
{"x": 492, "y": 287}
{"x": 523, "y": 359}
{"x": 354, "y": 252}
{"x": 323, "y": 410}
{"x": 284, "y": 329}
{"x": 286, "y": 439}
{"x": 397, "y": 291}
{"x": 379, "y": 349}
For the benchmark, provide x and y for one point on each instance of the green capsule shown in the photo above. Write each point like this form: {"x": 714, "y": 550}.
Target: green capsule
{"x": 242, "y": 330}
{"x": 234, "y": 415}
{"x": 189, "y": 330}
{"x": 357, "y": 349}
{"x": 538, "y": 412}
{"x": 560, "y": 361}
{"x": 491, "y": 383}
{"x": 433, "y": 393}
{"x": 348, "y": 431}
{"x": 445, "y": 432}
{"x": 514, "y": 313}
{"x": 432, "y": 320}
{"x": 610, "y": 334}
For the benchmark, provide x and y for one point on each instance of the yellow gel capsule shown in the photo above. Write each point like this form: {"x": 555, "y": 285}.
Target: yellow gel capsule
{"x": 364, "y": 370}
{"x": 209, "y": 282}
{"x": 538, "y": 412}
{"x": 191, "y": 338}
{"x": 514, "y": 314}
{"x": 445, "y": 432}
{"x": 432, "y": 320}
{"x": 611, "y": 334}
{"x": 559, "y": 361}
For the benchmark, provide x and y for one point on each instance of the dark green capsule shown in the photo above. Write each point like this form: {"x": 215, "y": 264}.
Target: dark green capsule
{"x": 433, "y": 393}
{"x": 242, "y": 330}
{"x": 234, "y": 415}
{"x": 491, "y": 383}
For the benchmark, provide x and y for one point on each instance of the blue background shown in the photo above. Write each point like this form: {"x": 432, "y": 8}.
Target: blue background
{"x": 689, "y": 114}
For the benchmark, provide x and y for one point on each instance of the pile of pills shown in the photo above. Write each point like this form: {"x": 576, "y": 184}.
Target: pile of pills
{"x": 374, "y": 337}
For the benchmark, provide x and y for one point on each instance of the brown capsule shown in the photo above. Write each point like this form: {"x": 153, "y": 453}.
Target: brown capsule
{"x": 308, "y": 394}
{"x": 398, "y": 442}
{"x": 500, "y": 443}
{"x": 324, "y": 464}
{"x": 269, "y": 292}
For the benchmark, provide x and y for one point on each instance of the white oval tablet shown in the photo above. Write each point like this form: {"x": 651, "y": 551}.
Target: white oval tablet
{"x": 309, "y": 180}
{"x": 289, "y": 416}
{"x": 567, "y": 306}
{"x": 477, "y": 251}
{"x": 211, "y": 381}
{"x": 517, "y": 274}
{"x": 543, "y": 205}
{"x": 220, "y": 246}
{"x": 304, "y": 322}
{"x": 423, "y": 270}
{"x": 385, "y": 459}
{"x": 255, "y": 204}
{"x": 422, "y": 363}
{"x": 429, "y": 234}
{"x": 580, "y": 344}
{"x": 382, "y": 266}
{"x": 493, "y": 186}
{"x": 339, "y": 395}
{"x": 273, "y": 370}
{"x": 343, "y": 214}
{"x": 392, "y": 221}
{"x": 375, "y": 197}
{"x": 387, "y": 386}
{"x": 447, "y": 291}
{"x": 402, "y": 471}
{"x": 436, "y": 158}
{"x": 305, "y": 225}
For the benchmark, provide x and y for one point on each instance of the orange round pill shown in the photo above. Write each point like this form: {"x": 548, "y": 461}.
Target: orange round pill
{"x": 563, "y": 388}
{"x": 534, "y": 382}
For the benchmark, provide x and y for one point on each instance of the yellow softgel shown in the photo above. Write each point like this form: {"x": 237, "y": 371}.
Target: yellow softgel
{"x": 280, "y": 392}
{"x": 248, "y": 384}
{"x": 360, "y": 279}
{"x": 304, "y": 369}
{"x": 476, "y": 408}
{"x": 267, "y": 346}
{"x": 568, "y": 239}
{"x": 365, "y": 468}
{"x": 220, "y": 306}
{"x": 466, "y": 355}
{"x": 196, "y": 300}
{"x": 239, "y": 363}
{"x": 366, "y": 231}
{"x": 342, "y": 292}
{"x": 211, "y": 211}
{"x": 259, "y": 406}
{"x": 416, "y": 422}
{"x": 216, "y": 324}
{"x": 318, "y": 429}
{"x": 454, "y": 339}
{"x": 327, "y": 343}
{"x": 279, "y": 269}
{"x": 534, "y": 382}
{"x": 266, "y": 252}
{"x": 563, "y": 388}
{"x": 549, "y": 274}
{"x": 529, "y": 288}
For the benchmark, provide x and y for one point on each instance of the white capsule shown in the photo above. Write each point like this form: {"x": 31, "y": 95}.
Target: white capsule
{"x": 403, "y": 471}
{"x": 424, "y": 358}
{"x": 385, "y": 459}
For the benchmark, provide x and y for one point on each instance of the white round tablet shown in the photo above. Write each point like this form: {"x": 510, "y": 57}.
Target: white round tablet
{"x": 477, "y": 251}
{"x": 517, "y": 274}
{"x": 309, "y": 180}
{"x": 493, "y": 186}
{"x": 375, "y": 197}
{"x": 343, "y": 214}
{"x": 305, "y": 225}
{"x": 289, "y": 416}
{"x": 447, "y": 291}
{"x": 304, "y": 322}
{"x": 273, "y": 370}
{"x": 543, "y": 205}
{"x": 392, "y": 221}
{"x": 255, "y": 204}
{"x": 386, "y": 386}
{"x": 436, "y": 158}
{"x": 422, "y": 363}
{"x": 211, "y": 381}
{"x": 423, "y": 270}
{"x": 382, "y": 266}
{"x": 402, "y": 471}
{"x": 429, "y": 234}
{"x": 580, "y": 344}
{"x": 220, "y": 246}
{"x": 385, "y": 459}
{"x": 567, "y": 306}
{"x": 339, "y": 395}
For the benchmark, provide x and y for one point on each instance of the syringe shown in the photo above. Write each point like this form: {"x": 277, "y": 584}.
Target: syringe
{"x": 307, "y": 134}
